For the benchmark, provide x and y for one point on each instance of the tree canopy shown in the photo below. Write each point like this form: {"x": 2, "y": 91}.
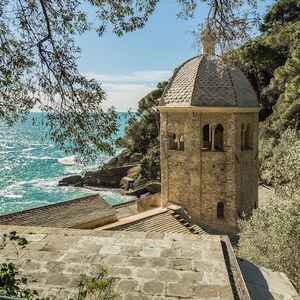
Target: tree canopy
{"x": 272, "y": 62}
{"x": 38, "y": 60}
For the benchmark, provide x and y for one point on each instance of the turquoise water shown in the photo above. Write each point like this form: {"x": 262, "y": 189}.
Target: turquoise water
{"x": 31, "y": 166}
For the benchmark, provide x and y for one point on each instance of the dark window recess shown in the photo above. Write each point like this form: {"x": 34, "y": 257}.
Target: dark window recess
{"x": 220, "y": 210}
{"x": 206, "y": 138}
{"x": 219, "y": 137}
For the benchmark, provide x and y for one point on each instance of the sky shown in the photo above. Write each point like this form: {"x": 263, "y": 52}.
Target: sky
{"x": 129, "y": 67}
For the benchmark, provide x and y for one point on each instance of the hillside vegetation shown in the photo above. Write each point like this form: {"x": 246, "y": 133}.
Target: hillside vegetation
{"x": 272, "y": 62}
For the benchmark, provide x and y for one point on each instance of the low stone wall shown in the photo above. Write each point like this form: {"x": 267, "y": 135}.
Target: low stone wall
{"x": 97, "y": 223}
{"x": 149, "y": 202}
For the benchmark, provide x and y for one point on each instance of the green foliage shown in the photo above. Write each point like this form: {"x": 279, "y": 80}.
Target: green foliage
{"x": 12, "y": 284}
{"x": 272, "y": 62}
{"x": 101, "y": 287}
{"x": 271, "y": 236}
{"x": 284, "y": 11}
{"x": 142, "y": 133}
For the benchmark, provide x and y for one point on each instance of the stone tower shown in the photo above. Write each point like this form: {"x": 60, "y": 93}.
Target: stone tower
{"x": 209, "y": 126}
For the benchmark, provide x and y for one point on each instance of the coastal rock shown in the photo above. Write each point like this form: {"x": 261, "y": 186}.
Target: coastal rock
{"x": 126, "y": 183}
{"x": 124, "y": 158}
{"x": 152, "y": 187}
{"x": 135, "y": 158}
{"x": 108, "y": 177}
{"x": 75, "y": 180}
{"x": 134, "y": 172}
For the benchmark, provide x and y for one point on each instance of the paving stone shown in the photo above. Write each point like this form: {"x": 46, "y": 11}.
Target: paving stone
{"x": 57, "y": 279}
{"x": 135, "y": 296}
{"x": 180, "y": 264}
{"x": 143, "y": 242}
{"x": 150, "y": 252}
{"x": 146, "y": 273}
{"x": 216, "y": 278}
{"x": 124, "y": 242}
{"x": 131, "y": 251}
{"x": 168, "y": 275}
{"x": 193, "y": 254}
{"x": 158, "y": 262}
{"x": 115, "y": 260}
{"x": 153, "y": 287}
{"x": 121, "y": 272}
{"x": 110, "y": 250}
{"x": 137, "y": 261}
{"x": 155, "y": 235}
{"x": 170, "y": 253}
{"x": 202, "y": 266}
{"x": 180, "y": 290}
{"x": 127, "y": 285}
{"x": 190, "y": 276}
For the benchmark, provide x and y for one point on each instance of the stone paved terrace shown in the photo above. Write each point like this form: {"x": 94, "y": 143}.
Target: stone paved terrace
{"x": 86, "y": 212}
{"x": 147, "y": 265}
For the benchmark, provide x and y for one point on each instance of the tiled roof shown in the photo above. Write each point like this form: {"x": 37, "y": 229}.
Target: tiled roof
{"x": 64, "y": 214}
{"x": 207, "y": 81}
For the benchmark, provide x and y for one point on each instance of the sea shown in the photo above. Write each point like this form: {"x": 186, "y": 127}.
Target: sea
{"x": 31, "y": 166}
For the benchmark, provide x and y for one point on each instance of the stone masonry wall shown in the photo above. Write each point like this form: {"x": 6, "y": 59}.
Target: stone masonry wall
{"x": 198, "y": 179}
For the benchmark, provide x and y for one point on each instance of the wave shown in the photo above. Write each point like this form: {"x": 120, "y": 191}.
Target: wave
{"x": 39, "y": 158}
{"x": 14, "y": 196}
{"x": 28, "y": 149}
{"x": 68, "y": 160}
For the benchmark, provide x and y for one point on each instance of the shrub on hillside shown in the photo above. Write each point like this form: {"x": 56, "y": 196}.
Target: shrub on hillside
{"x": 271, "y": 236}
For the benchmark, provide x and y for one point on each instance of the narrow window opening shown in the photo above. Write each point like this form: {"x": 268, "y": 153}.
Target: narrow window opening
{"x": 220, "y": 210}
{"x": 206, "y": 145}
{"x": 218, "y": 137}
{"x": 172, "y": 144}
{"x": 176, "y": 142}
{"x": 248, "y": 137}
{"x": 181, "y": 143}
{"x": 243, "y": 136}
{"x": 255, "y": 205}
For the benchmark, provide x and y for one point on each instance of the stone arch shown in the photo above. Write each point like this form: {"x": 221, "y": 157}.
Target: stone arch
{"x": 206, "y": 139}
{"x": 175, "y": 141}
{"x": 220, "y": 210}
{"x": 218, "y": 137}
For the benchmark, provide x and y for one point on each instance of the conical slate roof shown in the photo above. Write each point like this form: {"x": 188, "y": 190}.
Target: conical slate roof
{"x": 204, "y": 81}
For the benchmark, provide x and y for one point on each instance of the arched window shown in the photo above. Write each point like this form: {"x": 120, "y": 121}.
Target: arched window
{"x": 181, "y": 142}
{"x": 220, "y": 210}
{"x": 206, "y": 140}
{"x": 172, "y": 141}
{"x": 218, "y": 137}
{"x": 176, "y": 141}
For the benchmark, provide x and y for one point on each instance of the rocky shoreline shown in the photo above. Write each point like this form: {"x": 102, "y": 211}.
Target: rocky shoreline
{"x": 122, "y": 173}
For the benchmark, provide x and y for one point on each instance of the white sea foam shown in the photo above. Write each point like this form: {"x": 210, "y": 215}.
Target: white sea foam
{"x": 14, "y": 196}
{"x": 39, "y": 158}
{"x": 28, "y": 149}
{"x": 68, "y": 160}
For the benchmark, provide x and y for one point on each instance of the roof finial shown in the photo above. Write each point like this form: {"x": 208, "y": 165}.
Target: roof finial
{"x": 208, "y": 40}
